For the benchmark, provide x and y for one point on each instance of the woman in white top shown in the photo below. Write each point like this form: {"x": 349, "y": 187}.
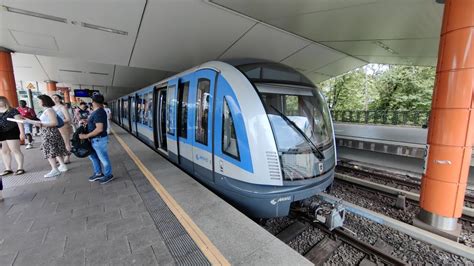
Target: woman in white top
{"x": 66, "y": 130}
{"x": 53, "y": 146}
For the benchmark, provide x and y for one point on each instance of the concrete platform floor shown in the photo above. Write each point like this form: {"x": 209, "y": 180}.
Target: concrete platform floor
{"x": 70, "y": 221}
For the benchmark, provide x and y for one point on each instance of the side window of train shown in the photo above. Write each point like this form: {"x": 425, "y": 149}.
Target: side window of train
{"x": 229, "y": 137}
{"x": 202, "y": 110}
{"x": 183, "y": 102}
{"x": 170, "y": 107}
{"x": 148, "y": 109}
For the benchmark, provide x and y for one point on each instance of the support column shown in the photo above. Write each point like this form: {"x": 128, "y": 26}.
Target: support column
{"x": 51, "y": 87}
{"x": 7, "y": 78}
{"x": 67, "y": 96}
{"x": 451, "y": 126}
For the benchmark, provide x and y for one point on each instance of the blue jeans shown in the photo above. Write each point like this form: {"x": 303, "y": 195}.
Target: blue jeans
{"x": 100, "y": 155}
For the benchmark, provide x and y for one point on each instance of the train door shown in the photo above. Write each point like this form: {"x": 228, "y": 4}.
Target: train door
{"x": 126, "y": 113}
{"x": 171, "y": 120}
{"x": 203, "y": 124}
{"x": 133, "y": 114}
{"x": 159, "y": 120}
{"x": 184, "y": 131}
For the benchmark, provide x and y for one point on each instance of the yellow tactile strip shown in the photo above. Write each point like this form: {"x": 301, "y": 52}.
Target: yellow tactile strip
{"x": 202, "y": 241}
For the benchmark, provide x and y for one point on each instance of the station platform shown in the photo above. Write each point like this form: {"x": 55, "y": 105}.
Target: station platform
{"x": 152, "y": 214}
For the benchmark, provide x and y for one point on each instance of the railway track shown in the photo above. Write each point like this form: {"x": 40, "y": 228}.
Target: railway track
{"x": 324, "y": 249}
{"x": 392, "y": 180}
{"x": 465, "y": 218}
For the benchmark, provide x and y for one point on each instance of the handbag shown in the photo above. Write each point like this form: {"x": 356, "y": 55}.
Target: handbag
{"x": 60, "y": 121}
{"x": 7, "y": 125}
{"x": 81, "y": 148}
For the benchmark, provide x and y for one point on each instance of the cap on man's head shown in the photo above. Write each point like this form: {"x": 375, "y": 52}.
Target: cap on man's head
{"x": 98, "y": 98}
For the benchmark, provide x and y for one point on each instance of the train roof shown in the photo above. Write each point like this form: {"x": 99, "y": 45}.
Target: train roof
{"x": 264, "y": 71}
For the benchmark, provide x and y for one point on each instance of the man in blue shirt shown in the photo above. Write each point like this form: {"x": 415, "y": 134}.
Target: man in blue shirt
{"x": 97, "y": 128}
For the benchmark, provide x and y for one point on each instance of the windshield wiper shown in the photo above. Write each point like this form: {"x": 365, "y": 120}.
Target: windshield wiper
{"x": 317, "y": 152}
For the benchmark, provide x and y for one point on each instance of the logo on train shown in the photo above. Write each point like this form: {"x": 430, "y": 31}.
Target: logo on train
{"x": 275, "y": 201}
{"x": 201, "y": 158}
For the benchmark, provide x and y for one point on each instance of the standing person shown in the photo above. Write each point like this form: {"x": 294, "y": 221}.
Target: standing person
{"x": 66, "y": 130}
{"x": 82, "y": 114}
{"x": 70, "y": 111}
{"x": 97, "y": 128}
{"x": 28, "y": 113}
{"x": 10, "y": 135}
{"x": 53, "y": 146}
{"x": 109, "y": 117}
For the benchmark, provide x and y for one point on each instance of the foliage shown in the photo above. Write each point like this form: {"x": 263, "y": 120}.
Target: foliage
{"x": 381, "y": 87}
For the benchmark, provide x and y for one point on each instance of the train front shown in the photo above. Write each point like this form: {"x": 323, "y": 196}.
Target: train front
{"x": 303, "y": 131}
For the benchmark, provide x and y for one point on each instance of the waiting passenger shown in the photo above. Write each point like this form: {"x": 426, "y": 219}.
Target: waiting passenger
{"x": 28, "y": 113}
{"x": 10, "y": 135}
{"x": 97, "y": 128}
{"x": 82, "y": 114}
{"x": 53, "y": 146}
{"x": 66, "y": 130}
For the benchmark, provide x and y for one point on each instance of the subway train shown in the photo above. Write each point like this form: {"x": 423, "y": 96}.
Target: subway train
{"x": 257, "y": 133}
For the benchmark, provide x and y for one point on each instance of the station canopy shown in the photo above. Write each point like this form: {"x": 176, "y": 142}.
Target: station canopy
{"x": 121, "y": 45}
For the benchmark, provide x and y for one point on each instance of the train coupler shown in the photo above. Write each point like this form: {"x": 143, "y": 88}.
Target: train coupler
{"x": 331, "y": 215}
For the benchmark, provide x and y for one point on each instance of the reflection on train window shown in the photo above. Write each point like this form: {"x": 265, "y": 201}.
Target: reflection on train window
{"x": 139, "y": 108}
{"x": 183, "y": 110}
{"x": 145, "y": 109}
{"x": 170, "y": 107}
{"x": 132, "y": 108}
{"x": 148, "y": 109}
{"x": 125, "y": 109}
{"x": 229, "y": 138}
{"x": 202, "y": 110}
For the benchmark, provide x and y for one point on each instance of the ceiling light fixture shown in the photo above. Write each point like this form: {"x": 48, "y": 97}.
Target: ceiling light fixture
{"x": 96, "y": 27}
{"x": 68, "y": 70}
{"x": 34, "y": 14}
{"x": 98, "y": 73}
{"x": 385, "y": 47}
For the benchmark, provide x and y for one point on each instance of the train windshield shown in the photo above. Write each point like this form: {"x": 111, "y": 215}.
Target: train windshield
{"x": 302, "y": 126}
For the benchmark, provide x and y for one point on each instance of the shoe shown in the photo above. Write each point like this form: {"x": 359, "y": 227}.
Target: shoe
{"x": 62, "y": 168}
{"x": 106, "y": 179}
{"x": 95, "y": 177}
{"x": 1, "y": 196}
{"x": 29, "y": 146}
{"x": 53, "y": 173}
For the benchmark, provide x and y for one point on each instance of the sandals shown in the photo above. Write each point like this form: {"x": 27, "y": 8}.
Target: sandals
{"x": 7, "y": 172}
{"x": 19, "y": 172}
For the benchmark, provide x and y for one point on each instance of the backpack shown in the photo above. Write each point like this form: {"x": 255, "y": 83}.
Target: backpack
{"x": 81, "y": 147}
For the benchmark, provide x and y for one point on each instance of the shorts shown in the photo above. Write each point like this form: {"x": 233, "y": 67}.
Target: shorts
{"x": 28, "y": 128}
{"x": 11, "y": 134}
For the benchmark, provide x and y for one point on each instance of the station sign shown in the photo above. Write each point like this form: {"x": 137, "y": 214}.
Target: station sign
{"x": 84, "y": 93}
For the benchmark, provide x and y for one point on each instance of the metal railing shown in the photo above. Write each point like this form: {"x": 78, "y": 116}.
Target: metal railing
{"x": 403, "y": 118}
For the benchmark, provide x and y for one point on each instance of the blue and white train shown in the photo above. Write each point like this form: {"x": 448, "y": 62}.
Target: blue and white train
{"x": 257, "y": 133}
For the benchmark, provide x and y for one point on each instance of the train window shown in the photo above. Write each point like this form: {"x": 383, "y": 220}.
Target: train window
{"x": 183, "y": 110}
{"x": 148, "y": 109}
{"x": 170, "y": 107}
{"x": 125, "y": 109}
{"x": 229, "y": 137}
{"x": 202, "y": 110}
{"x": 133, "y": 110}
{"x": 139, "y": 108}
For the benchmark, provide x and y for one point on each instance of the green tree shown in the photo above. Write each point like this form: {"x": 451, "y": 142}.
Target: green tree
{"x": 381, "y": 87}
{"x": 404, "y": 88}
{"x": 351, "y": 91}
